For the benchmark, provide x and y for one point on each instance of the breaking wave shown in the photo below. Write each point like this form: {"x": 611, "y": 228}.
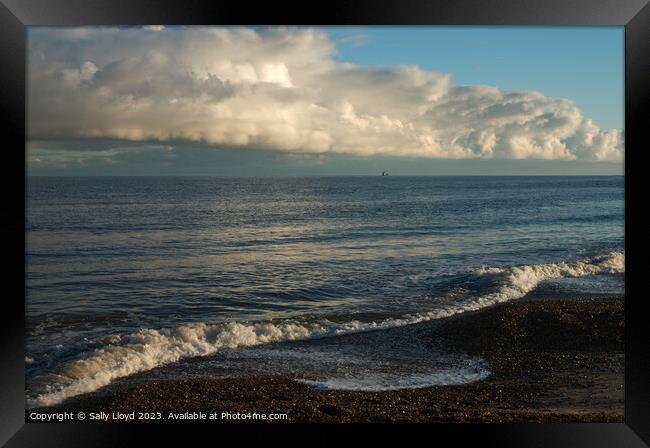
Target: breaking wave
{"x": 150, "y": 348}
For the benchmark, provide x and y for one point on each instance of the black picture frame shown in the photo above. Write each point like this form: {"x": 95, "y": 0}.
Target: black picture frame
{"x": 16, "y": 15}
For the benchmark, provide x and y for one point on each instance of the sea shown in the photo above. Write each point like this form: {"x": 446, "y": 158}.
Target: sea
{"x": 323, "y": 279}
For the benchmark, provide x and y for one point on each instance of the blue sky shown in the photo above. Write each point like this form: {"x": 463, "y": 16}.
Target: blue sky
{"x": 585, "y": 64}
{"x": 326, "y": 100}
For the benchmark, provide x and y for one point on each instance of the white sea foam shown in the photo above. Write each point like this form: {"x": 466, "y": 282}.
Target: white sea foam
{"x": 382, "y": 382}
{"x": 151, "y": 348}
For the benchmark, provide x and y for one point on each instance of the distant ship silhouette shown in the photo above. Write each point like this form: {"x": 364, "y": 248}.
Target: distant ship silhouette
{"x": 384, "y": 173}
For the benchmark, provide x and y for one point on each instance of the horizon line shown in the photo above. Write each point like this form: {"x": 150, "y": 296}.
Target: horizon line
{"x": 324, "y": 175}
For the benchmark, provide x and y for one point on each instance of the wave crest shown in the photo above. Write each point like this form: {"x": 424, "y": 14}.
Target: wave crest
{"x": 150, "y": 348}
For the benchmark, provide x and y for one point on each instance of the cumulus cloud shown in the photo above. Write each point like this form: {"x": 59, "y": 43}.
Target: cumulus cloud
{"x": 281, "y": 89}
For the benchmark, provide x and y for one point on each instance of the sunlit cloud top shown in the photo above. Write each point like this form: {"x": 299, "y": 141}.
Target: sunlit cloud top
{"x": 282, "y": 89}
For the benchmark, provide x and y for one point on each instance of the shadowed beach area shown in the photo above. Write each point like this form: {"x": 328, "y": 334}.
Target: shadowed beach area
{"x": 551, "y": 360}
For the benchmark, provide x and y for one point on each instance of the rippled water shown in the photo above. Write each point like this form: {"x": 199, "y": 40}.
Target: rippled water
{"x": 136, "y": 272}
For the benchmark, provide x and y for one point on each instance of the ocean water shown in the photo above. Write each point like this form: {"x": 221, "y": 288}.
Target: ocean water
{"x": 324, "y": 278}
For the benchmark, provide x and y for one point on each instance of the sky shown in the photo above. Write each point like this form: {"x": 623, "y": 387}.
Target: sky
{"x": 292, "y": 101}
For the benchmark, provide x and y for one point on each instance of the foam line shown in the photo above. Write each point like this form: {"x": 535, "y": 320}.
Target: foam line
{"x": 377, "y": 383}
{"x": 150, "y": 348}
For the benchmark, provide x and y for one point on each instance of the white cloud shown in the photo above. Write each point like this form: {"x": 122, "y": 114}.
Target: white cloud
{"x": 280, "y": 89}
